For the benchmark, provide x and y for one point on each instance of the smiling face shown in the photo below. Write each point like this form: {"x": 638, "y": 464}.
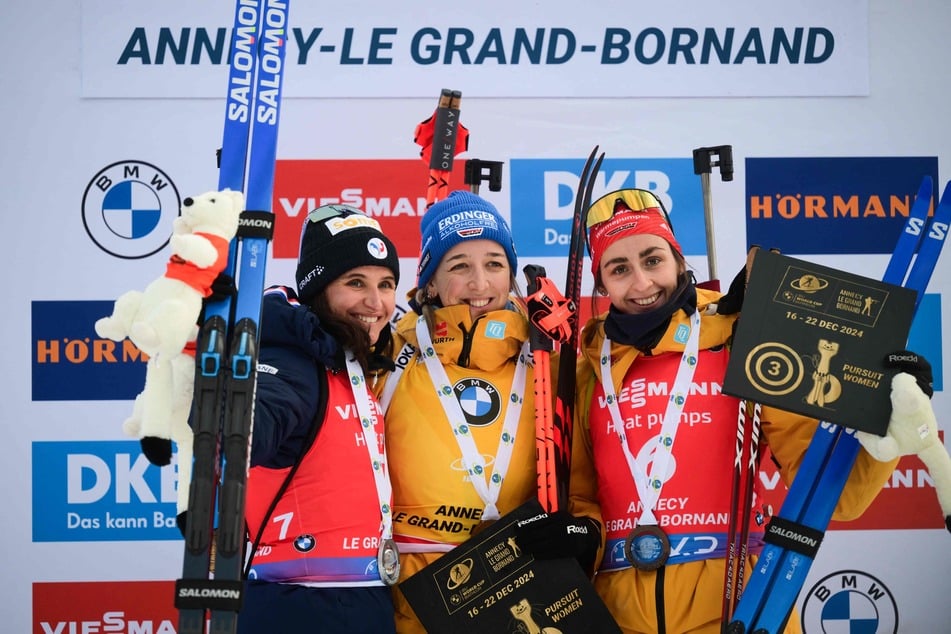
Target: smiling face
{"x": 639, "y": 273}
{"x": 364, "y": 296}
{"x": 476, "y": 273}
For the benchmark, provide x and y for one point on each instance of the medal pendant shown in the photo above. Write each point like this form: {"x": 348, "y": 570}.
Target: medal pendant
{"x": 647, "y": 547}
{"x": 481, "y": 526}
{"x": 388, "y": 562}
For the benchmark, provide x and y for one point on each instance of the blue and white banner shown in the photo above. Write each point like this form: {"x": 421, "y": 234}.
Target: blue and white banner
{"x": 100, "y": 491}
{"x": 543, "y": 199}
{"x": 493, "y": 48}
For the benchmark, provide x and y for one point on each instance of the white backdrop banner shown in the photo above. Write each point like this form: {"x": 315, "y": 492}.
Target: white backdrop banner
{"x": 496, "y": 48}
{"x": 118, "y": 102}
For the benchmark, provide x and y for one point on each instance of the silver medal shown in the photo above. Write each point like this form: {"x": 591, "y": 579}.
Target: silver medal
{"x": 388, "y": 562}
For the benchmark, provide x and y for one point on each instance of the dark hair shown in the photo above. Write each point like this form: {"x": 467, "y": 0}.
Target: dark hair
{"x": 349, "y": 335}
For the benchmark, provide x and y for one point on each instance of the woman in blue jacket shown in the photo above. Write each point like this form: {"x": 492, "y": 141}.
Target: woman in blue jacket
{"x": 319, "y": 496}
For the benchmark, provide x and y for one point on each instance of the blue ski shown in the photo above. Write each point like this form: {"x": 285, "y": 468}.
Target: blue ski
{"x": 226, "y": 357}
{"x": 780, "y": 572}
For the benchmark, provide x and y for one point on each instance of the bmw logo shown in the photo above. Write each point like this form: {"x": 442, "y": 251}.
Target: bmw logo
{"x": 128, "y": 209}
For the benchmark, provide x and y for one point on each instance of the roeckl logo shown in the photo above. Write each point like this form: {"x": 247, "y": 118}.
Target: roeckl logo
{"x": 529, "y": 520}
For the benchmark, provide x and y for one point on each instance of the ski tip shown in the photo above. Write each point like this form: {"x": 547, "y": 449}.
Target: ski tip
{"x": 946, "y": 194}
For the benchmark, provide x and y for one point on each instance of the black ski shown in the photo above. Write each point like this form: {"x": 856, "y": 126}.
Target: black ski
{"x": 563, "y": 415}
{"x": 226, "y": 357}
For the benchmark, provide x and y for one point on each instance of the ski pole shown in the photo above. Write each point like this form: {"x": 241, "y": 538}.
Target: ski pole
{"x": 441, "y": 137}
{"x": 541, "y": 346}
{"x": 704, "y": 159}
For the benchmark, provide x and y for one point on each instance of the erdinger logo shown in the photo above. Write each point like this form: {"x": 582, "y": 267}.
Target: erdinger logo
{"x": 480, "y": 401}
{"x": 850, "y": 601}
{"x": 128, "y": 209}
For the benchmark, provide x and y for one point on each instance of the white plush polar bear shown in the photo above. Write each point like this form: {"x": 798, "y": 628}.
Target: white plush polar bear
{"x": 162, "y": 322}
{"x": 162, "y": 318}
{"x": 160, "y": 415}
{"x": 913, "y": 430}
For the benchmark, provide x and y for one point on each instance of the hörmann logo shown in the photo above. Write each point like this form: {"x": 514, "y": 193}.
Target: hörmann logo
{"x": 832, "y": 205}
{"x": 128, "y": 209}
{"x": 72, "y": 363}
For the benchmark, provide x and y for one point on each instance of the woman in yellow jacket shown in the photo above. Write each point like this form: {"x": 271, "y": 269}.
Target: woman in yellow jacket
{"x": 459, "y": 406}
{"x": 658, "y": 338}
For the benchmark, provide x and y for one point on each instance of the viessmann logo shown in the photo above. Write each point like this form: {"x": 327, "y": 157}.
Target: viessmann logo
{"x": 392, "y": 192}
{"x": 75, "y": 607}
{"x": 128, "y": 209}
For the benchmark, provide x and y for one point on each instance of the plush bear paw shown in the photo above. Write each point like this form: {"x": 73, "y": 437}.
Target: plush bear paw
{"x": 157, "y": 450}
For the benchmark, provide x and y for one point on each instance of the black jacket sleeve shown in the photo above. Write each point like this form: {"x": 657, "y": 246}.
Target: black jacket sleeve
{"x": 294, "y": 349}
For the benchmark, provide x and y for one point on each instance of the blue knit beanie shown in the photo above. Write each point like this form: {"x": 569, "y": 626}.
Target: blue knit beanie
{"x": 460, "y": 216}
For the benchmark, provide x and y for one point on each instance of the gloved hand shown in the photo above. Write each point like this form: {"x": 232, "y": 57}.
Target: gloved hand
{"x": 550, "y": 311}
{"x": 915, "y": 365}
{"x": 732, "y": 302}
{"x": 558, "y": 535}
{"x": 222, "y": 287}
{"x": 913, "y": 430}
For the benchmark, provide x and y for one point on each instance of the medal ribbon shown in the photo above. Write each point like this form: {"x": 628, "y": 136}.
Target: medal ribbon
{"x": 471, "y": 458}
{"x": 381, "y": 473}
{"x": 650, "y": 485}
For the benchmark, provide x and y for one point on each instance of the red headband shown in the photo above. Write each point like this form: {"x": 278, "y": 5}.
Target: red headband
{"x": 626, "y": 222}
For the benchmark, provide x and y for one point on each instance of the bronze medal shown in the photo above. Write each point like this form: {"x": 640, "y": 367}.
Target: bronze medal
{"x": 388, "y": 562}
{"x": 647, "y": 547}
